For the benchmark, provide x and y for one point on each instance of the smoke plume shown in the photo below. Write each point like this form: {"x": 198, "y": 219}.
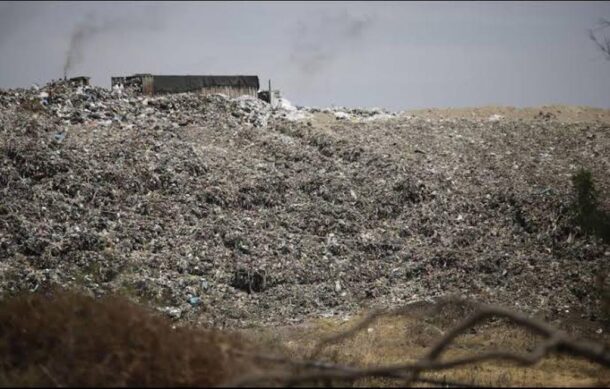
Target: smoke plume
{"x": 318, "y": 44}
{"x": 91, "y": 27}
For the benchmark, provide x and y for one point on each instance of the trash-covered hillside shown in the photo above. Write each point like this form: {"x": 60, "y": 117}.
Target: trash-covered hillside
{"x": 227, "y": 212}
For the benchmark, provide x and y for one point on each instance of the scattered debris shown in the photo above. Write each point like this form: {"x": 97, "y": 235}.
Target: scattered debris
{"x": 194, "y": 301}
{"x": 250, "y": 281}
{"x": 495, "y": 118}
{"x": 109, "y": 191}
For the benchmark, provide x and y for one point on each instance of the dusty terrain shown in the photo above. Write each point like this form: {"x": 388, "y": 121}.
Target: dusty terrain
{"x": 560, "y": 113}
{"x": 225, "y": 213}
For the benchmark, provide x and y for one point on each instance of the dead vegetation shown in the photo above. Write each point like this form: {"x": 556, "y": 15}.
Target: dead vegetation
{"x": 61, "y": 338}
{"x": 417, "y": 345}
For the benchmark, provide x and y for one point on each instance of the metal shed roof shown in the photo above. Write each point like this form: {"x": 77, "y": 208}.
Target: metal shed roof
{"x": 181, "y": 83}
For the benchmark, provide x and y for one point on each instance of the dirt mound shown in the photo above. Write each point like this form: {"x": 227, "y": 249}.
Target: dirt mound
{"x": 225, "y": 212}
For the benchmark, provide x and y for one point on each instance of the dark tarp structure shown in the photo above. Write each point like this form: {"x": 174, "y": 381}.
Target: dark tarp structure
{"x": 177, "y": 84}
{"x": 80, "y": 80}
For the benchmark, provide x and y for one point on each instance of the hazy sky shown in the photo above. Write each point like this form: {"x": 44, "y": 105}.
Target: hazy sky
{"x": 397, "y": 55}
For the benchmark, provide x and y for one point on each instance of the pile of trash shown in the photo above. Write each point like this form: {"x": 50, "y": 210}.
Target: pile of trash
{"x": 290, "y": 112}
{"x": 224, "y": 211}
{"x": 78, "y": 104}
{"x": 356, "y": 114}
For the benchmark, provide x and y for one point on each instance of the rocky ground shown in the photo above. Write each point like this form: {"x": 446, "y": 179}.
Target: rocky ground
{"x": 225, "y": 212}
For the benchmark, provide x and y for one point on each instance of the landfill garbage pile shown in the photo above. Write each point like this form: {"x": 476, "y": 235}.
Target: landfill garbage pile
{"x": 77, "y": 104}
{"x": 225, "y": 212}
{"x": 288, "y": 111}
{"x": 356, "y": 114}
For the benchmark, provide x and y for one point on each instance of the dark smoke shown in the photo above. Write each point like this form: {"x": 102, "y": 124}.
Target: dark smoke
{"x": 90, "y": 27}
{"x": 318, "y": 44}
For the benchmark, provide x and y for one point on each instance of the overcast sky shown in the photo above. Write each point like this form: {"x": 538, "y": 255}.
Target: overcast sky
{"x": 398, "y": 55}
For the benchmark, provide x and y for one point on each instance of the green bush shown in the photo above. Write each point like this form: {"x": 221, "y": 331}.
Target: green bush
{"x": 595, "y": 221}
{"x": 588, "y": 216}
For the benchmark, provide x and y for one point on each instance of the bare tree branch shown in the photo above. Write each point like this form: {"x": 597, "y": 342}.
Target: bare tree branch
{"x": 604, "y": 46}
{"x": 556, "y": 341}
{"x": 368, "y": 320}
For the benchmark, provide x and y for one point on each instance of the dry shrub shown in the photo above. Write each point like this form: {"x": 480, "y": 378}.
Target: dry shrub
{"x": 66, "y": 339}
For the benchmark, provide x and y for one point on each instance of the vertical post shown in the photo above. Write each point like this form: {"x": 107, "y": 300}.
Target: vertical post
{"x": 270, "y": 95}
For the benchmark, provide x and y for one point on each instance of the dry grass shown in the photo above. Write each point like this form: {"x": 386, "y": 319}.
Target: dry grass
{"x": 61, "y": 338}
{"x": 66, "y": 339}
{"x": 397, "y": 340}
